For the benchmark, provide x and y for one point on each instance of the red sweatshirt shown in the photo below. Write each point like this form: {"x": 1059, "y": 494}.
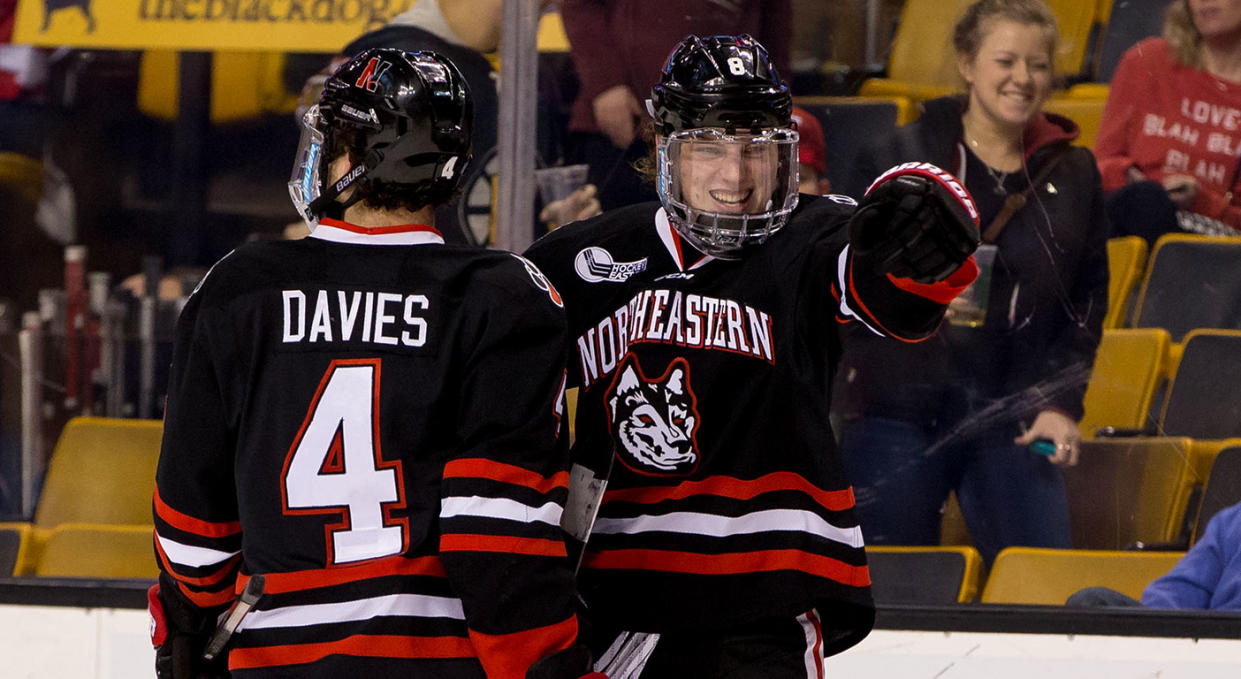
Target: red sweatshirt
{"x": 1165, "y": 118}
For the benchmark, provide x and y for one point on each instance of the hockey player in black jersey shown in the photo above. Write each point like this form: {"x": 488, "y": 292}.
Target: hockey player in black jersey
{"x": 704, "y": 334}
{"x": 368, "y": 418}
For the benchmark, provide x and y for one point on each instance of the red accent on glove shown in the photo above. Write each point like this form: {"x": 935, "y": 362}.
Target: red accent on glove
{"x": 159, "y": 623}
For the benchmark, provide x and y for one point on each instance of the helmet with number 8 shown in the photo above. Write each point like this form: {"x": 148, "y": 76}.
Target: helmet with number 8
{"x": 726, "y": 149}
{"x": 402, "y": 118}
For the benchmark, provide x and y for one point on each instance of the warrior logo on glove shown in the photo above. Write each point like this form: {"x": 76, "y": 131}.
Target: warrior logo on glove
{"x": 916, "y": 221}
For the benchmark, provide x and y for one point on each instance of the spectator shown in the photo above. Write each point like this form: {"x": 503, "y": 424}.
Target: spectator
{"x": 368, "y": 418}
{"x": 1207, "y": 578}
{"x": 1168, "y": 145}
{"x": 704, "y": 329}
{"x": 811, "y": 155}
{"x": 958, "y": 412}
{"x": 618, "y": 48}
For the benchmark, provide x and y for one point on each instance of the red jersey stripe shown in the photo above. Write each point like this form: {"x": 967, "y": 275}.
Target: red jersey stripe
{"x": 189, "y": 524}
{"x": 378, "y": 230}
{"x": 730, "y": 564}
{"x": 207, "y": 599}
{"x": 296, "y": 581}
{"x": 508, "y": 656}
{"x": 737, "y": 489}
{"x": 482, "y": 468}
{"x": 456, "y": 542}
{"x": 366, "y": 645}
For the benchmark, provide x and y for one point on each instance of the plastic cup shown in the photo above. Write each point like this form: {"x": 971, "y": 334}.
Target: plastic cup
{"x": 969, "y": 309}
{"x": 557, "y": 183}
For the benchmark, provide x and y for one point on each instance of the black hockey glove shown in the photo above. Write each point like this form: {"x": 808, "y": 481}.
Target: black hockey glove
{"x": 916, "y": 221}
{"x": 179, "y": 633}
{"x": 573, "y": 662}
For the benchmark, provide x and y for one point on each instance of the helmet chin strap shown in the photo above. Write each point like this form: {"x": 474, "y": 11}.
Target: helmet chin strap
{"x": 327, "y": 205}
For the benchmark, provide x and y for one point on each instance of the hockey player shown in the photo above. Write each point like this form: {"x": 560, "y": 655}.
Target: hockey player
{"x": 704, "y": 334}
{"x": 367, "y": 417}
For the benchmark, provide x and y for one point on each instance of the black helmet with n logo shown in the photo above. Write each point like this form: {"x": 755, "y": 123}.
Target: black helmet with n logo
{"x": 408, "y": 114}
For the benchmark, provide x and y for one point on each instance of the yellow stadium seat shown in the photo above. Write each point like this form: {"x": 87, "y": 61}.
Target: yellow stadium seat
{"x": 1128, "y": 490}
{"x": 15, "y": 548}
{"x": 1222, "y": 487}
{"x": 923, "y": 63}
{"x": 1126, "y": 262}
{"x": 101, "y": 471}
{"x": 552, "y": 37}
{"x": 1087, "y": 113}
{"x": 84, "y": 550}
{"x": 924, "y": 575}
{"x": 244, "y": 85}
{"x": 22, "y": 173}
{"x": 1025, "y": 575}
{"x": 1128, "y": 369}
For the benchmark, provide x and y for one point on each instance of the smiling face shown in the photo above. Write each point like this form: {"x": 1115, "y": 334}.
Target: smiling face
{"x": 727, "y": 177}
{"x": 1216, "y": 18}
{"x": 1010, "y": 75}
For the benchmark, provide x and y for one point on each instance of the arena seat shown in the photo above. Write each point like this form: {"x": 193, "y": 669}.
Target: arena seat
{"x": 924, "y": 575}
{"x": 1128, "y": 370}
{"x": 922, "y": 63}
{"x": 1222, "y": 488}
{"x": 86, "y": 550}
{"x": 23, "y": 174}
{"x": 848, "y": 122}
{"x": 1204, "y": 398}
{"x": 1087, "y": 113}
{"x": 1191, "y": 281}
{"x": 1129, "y": 490}
{"x": 102, "y": 470}
{"x": 1126, "y": 263}
{"x": 1126, "y": 24}
{"x": 15, "y": 544}
{"x": 1027, "y": 575}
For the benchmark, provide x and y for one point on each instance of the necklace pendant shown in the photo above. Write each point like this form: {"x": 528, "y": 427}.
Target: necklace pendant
{"x": 1000, "y": 190}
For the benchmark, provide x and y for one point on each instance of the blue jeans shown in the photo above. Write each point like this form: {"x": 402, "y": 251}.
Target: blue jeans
{"x": 902, "y": 473}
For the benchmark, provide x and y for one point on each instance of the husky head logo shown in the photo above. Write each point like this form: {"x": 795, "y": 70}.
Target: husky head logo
{"x": 655, "y": 421}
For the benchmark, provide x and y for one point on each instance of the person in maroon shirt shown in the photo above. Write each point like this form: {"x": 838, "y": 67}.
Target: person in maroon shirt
{"x": 619, "y": 51}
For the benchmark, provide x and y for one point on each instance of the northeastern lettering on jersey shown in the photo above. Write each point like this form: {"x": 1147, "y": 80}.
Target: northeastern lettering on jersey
{"x": 672, "y": 317}
{"x": 386, "y": 318}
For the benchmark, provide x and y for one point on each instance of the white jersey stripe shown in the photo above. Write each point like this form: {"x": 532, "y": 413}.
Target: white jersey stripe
{"x": 405, "y": 605}
{"x": 842, "y": 266}
{"x": 191, "y": 556}
{"x": 500, "y": 508}
{"x": 714, "y": 525}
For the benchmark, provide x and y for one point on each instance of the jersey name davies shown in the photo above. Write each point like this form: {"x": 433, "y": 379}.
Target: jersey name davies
{"x": 671, "y": 317}
{"x": 343, "y": 316}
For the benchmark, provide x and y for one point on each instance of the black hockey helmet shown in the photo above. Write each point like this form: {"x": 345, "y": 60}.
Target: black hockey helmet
{"x": 720, "y": 81}
{"x": 411, "y": 114}
{"x": 720, "y": 109}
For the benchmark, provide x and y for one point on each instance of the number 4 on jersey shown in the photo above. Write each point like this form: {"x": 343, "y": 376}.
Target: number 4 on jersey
{"x": 335, "y": 467}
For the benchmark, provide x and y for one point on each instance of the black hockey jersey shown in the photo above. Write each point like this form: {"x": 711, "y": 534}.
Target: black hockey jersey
{"x": 709, "y": 380}
{"x": 369, "y": 418}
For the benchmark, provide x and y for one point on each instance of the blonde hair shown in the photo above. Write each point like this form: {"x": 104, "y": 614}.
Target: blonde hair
{"x": 1182, "y": 35}
{"x": 968, "y": 34}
